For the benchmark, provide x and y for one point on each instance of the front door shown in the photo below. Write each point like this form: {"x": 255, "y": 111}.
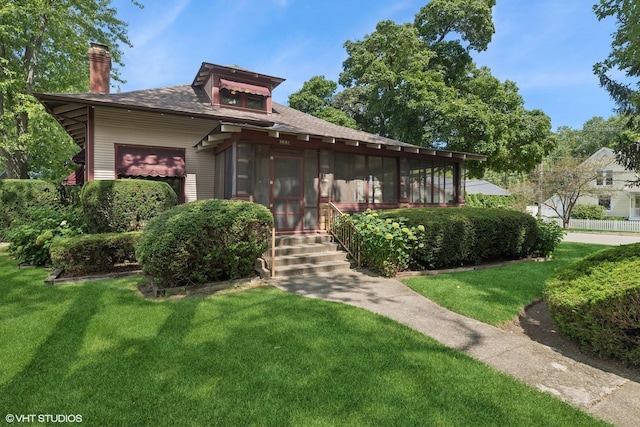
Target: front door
{"x": 287, "y": 192}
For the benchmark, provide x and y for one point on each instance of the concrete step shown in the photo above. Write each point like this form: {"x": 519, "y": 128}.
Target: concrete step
{"x": 302, "y": 239}
{"x": 300, "y": 269}
{"x": 311, "y": 258}
{"x": 306, "y": 248}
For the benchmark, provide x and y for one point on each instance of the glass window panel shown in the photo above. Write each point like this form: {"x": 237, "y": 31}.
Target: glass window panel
{"x": 256, "y": 102}
{"x": 262, "y": 176}
{"x": 376, "y": 178}
{"x": 228, "y": 174}
{"x": 358, "y": 183}
{"x": 287, "y": 175}
{"x": 341, "y": 191}
{"x": 244, "y": 169}
{"x": 310, "y": 218}
{"x": 390, "y": 183}
{"x": 311, "y": 178}
{"x": 326, "y": 173}
{"x": 229, "y": 98}
{"x": 219, "y": 173}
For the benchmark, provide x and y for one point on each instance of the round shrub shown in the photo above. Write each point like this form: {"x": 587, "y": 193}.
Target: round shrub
{"x": 596, "y": 302}
{"x": 94, "y": 253}
{"x": 116, "y": 206}
{"x": 588, "y": 212}
{"x": 18, "y": 196}
{"x": 204, "y": 241}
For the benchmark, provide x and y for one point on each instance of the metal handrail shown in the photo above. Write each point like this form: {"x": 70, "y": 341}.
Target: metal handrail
{"x": 344, "y": 231}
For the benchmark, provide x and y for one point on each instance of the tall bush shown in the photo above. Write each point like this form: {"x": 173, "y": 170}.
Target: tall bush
{"x": 124, "y": 204}
{"x": 588, "y": 212}
{"x": 386, "y": 245}
{"x": 19, "y": 196}
{"x": 31, "y": 237}
{"x": 204, "y": 241}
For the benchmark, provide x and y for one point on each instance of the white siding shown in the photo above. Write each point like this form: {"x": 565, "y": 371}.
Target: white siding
{"x": 116, "y": 126}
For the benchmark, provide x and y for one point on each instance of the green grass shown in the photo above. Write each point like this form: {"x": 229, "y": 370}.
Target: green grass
{"x": 497, "y": 295}
{"x": 257, "y": 357}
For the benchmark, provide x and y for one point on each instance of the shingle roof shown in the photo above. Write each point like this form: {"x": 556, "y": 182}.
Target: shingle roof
{"x": 191, "y": 100}
{"x": 480, "y": 186}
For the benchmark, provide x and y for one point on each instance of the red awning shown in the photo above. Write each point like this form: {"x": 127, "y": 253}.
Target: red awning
{"x": 244, "y": 87}
{"x": 150, "y": 161}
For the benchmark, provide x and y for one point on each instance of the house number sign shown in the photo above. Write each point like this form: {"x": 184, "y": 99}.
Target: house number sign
{"x": 284, "y": 142}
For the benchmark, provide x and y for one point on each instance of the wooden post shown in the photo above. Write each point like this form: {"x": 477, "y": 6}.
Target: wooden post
{"x": 273, "y": 252}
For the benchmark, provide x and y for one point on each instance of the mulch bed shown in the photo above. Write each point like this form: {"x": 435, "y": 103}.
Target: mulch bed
{"x": 535, "y": 323}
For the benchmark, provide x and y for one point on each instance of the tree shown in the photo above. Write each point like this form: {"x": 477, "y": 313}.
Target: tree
{"x": 43, "y": 47}
{"x": 417, "y": 83}
{"x": 595, "y": 134}
{"x": 317, "y": 98}
{"x": 564, "y": 180}
{"x": 624, "y": 57}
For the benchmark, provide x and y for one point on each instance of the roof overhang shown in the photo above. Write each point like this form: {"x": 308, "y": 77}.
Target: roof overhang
{"x": 225, "y": 130}
{"x": 206, "y": 69}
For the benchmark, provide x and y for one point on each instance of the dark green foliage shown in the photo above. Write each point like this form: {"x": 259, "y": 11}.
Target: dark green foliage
{"x": 124, "y": 204}
{"x": 204, "y": 241}
{"x": 487, "y": 201}
{"x": 596, "y": 302}
{"x": 30, "y": 237}
{"x": 587, "y": 212}
{"x": 455, "y": 237}
{"x": 17, "y": 196}
{"x": 94, "y": 253}
{"x": 550, "y": 234}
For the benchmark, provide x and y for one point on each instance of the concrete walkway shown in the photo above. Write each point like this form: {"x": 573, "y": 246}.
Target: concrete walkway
{"x": 604, "y": 395}
{"x": 602, "y": 239}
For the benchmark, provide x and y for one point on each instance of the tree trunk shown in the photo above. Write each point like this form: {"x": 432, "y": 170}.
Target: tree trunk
{"x": 15, "y": 164}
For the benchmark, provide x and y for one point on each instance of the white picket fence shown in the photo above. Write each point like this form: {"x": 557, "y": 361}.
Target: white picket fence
{"x": 603, "y": 225}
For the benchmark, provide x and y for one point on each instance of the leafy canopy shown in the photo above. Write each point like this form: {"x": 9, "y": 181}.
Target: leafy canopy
{"x": 624, "y": 57}
{"x": 417, "y": 82}
{"x": 43, "y": 48}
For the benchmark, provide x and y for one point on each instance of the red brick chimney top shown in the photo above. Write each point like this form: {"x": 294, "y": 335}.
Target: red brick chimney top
{"x": 99, "y": 68}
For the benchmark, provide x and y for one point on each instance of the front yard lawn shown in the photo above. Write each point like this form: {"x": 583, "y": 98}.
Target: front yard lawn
{"x": 497, "y": 295}
{"x": 256, "y": 357}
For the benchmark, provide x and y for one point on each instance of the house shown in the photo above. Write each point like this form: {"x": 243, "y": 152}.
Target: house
{"x": 617, "y": 194}
{"x": 481, "y": 186}
{"x": 222, "y": 136}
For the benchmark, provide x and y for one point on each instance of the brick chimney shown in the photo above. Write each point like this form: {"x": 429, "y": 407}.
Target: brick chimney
{"x": 99, "y": 68}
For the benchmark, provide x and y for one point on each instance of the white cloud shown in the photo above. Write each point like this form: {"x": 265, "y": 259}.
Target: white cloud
{"x": 162, "y": 19}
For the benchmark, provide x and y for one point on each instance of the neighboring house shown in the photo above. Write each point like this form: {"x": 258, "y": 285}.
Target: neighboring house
{"x": 222, "y": 136}
{"x": 618, "y": 196}
{"x": 481, "y": 186}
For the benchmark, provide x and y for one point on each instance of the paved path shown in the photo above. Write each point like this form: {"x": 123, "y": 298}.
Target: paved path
{"x": 605, "y": 395}
{"x": 602, "y": 239}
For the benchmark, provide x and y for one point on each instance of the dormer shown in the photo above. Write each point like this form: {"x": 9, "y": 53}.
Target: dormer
{"x": 237, "y": 88}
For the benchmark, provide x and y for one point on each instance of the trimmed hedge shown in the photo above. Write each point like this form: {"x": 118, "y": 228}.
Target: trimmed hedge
{"x": 94, "y": 253}
{"x": 489, "y": 201}
{"x": 596, "y": 302}
{"x": 204, "y": 241}
{"x": 19, "y": 196}
{"x": 588, "y": 212}
{"x": 455, "y": 237}
{"x": 124, "y": 204}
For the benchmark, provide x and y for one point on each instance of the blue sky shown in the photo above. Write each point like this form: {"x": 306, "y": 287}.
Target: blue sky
{"x": 548, "y": 47}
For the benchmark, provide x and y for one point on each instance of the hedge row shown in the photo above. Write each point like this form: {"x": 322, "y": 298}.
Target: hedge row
{"x": 468, "y": 236}
{"x": 94, "y": 253}
{"x": 596, "y": 302}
